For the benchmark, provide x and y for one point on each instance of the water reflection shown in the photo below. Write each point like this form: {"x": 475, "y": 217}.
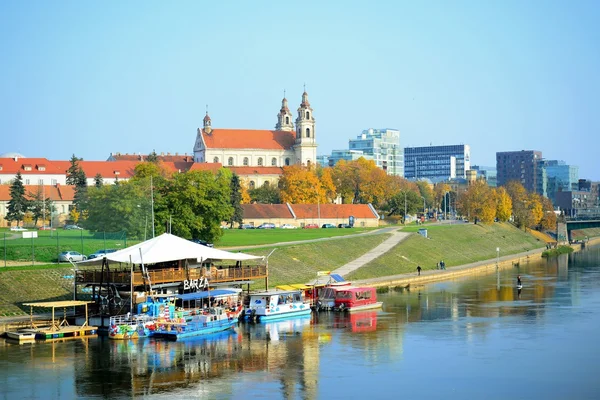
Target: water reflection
{"x": 301, "y": 358}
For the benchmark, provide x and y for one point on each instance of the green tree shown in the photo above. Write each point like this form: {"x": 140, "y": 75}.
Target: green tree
{"x": 18, "y": 204}
{"x": 152, "y": 157}
{"x": 408, "y": 201}
{"x": 73, "y": 171}
{"x": 266, "y": 194}
{"x": 426, "y": 192}
{"x": 197, "y": 202}
{"x": 235, "y": 200}
{"x": 98, "y": 181}
{"x": 41, "y": 207}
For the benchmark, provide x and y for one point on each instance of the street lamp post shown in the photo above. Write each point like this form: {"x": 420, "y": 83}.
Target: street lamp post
{"x": 404, "y": 207}
{"x": 497, "y": 257}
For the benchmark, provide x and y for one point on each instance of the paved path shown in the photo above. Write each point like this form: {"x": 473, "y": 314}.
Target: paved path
{"x": 369, "y": 256}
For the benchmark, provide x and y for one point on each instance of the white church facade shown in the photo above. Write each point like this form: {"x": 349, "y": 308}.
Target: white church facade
{"x": 268, "y": 150}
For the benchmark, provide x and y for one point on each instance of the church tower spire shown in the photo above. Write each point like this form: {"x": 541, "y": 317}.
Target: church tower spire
{"x": 284, "y": 118}
{"x": 207, "y": 123}
{"x": 306, "y": 144}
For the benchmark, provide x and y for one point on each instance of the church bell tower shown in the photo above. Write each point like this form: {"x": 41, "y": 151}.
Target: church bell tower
{"x": 306, "y": 144}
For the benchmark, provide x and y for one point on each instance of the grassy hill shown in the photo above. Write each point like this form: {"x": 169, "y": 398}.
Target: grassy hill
{"x": 455, "y": 244}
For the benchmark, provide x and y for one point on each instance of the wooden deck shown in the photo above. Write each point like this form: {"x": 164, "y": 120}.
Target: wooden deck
{"x": 170, "y": 275}
{"x": 64, "y": 332}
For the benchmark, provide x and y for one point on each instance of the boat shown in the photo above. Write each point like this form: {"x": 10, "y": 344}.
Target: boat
{"x": 21, "y": 336}
{"x": 349, "y": 298}
{"x": 268, "y": 306}
{"x": 359, "y": 321}
{"x": 200, "y": 313}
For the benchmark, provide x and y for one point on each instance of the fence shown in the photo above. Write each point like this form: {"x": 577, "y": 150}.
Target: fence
{"x": 19, "y": 248}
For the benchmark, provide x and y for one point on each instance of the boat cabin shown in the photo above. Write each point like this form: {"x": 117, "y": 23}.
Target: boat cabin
{"x": 349, "y": 298}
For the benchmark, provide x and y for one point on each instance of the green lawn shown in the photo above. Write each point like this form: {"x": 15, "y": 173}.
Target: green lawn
{"x": 455, "y": 244}
{"x": 251, "y": 237}
{"x": 48, "y": 244}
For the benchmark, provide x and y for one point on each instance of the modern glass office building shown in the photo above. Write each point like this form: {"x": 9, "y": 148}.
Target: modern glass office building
{"x": 437, "y": 163}
{"x": 488, "y": 173}
{"x": 383, "y": 147}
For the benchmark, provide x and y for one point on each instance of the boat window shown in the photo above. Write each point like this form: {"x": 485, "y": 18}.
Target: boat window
{"x": 343, "y": 295}
{"x": 297, "y": 297}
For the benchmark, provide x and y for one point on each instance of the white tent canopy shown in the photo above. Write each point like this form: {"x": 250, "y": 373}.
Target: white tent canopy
{"x": 167, "y": 247}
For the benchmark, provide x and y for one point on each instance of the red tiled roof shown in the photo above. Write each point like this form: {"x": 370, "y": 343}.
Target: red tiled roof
{"x": 54, "y": 193}
{"x": 10, "y": 166}
{"x": 332, "y": 211}
{"x": 249, "y": 139}
{"x": 144, "y": 157}
{"x": 257, "y": 170}
{"x": 266, "y": 211}
{"x": 213, "y": 167}
{"x": 106, "y": 169}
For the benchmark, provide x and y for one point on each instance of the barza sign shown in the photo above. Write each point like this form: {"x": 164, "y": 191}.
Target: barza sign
{"x": 198, "y": 284}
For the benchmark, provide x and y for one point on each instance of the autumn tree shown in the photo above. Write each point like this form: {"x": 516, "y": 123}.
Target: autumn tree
{"x": 478, "y": 201}
{"x": 325, "y": 175}
{"x": 519, "y": 199}
{"x": 548, "y": 221}
{"x": 300, "y": 185}
{"x": 360, "y": 181}
{"x": 535, "y": 210}
{"x": 439, "y": 191}
{"x": 503, "y": 205}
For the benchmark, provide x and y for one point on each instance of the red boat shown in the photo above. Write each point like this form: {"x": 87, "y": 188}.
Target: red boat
{"x": 349, "y": 298}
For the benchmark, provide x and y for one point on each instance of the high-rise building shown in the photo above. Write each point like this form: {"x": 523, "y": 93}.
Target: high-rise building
{"x": 383, "y": 147}
{"x": 488, "y": 173}
{"x": 437, "y": 163}
{"x": 559, "y": 177}
{"x": 521, "y": 166}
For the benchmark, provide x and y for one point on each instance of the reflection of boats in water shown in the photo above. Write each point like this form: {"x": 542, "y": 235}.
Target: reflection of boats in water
{"x": 359, "y": 321}
{"x": 275, "y": 331}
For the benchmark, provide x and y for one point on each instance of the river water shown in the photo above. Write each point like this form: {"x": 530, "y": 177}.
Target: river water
{"x": 471, "y": 338}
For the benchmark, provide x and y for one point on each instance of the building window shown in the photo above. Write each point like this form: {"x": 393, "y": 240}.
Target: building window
{"x": 287, "y": 161}
{"x": 274, "y": 161}
{"x": 298, "y": 134}
{"x": 216, "y": 159}
{"x": 308, "y": 163}
{"x": 260, "y": 163}
{"x": 54, "y": 182}
{"x": 266, "y": 184}
{"x": 307, "y": 132}
{"x": 307, "y": 115}
{"x": 27, "y": 181}
{"x": 40, "y": 181}
{"x": 287, "y": 120}
{"x": 230, "y": 161}
{"x": 252, "y": 185}
{"x": 246, "y": 161}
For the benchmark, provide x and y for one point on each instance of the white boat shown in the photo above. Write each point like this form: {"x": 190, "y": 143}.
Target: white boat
{"x": 267, "y": 306}
{"x": 21, "y": 336}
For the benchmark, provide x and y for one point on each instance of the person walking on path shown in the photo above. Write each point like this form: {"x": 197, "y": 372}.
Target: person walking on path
{"x": 519, "y": 283}
{"x": 442, "y": 265}
{"x": 418, "y": 270}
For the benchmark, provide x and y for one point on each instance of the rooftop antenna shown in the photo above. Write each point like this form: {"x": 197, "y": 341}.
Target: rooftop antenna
{"x": 284, "y": 93}
{"x": 305, "y": 86}
{"x": 207, "y": 109}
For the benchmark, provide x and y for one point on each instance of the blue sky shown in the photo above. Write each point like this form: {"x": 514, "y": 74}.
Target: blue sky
{"x": 92, "y": 78}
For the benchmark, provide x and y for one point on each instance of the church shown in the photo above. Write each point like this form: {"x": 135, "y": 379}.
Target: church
{"x": 261, "y": 153}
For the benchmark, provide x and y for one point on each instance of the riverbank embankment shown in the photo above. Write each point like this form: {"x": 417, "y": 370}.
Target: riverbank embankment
{"x": 484, "y": 267}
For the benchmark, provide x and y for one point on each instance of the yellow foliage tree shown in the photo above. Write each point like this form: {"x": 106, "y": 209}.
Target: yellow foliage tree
{"x": 326, "y": 181}
{"x": 503, "y": 205}
{"x": 479, "y": 201}
{"x": 439, "y": 191}
{"x": 520, "y": 199}
{"x": 74, "y": 215}
{"x": 244, "y": 191}
{"x": 360, "y": 181}
{"x": 536, "y": 211}
{"x": 300, "y": 185}
{"x": 549, "y": 218}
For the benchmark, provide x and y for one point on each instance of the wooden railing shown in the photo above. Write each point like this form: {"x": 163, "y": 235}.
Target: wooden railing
{"x": 169, "y": 275}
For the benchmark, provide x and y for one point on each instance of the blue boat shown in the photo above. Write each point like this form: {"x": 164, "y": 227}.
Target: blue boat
{"x": 201, "y": 313}
{"x": 269, "y": 306}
